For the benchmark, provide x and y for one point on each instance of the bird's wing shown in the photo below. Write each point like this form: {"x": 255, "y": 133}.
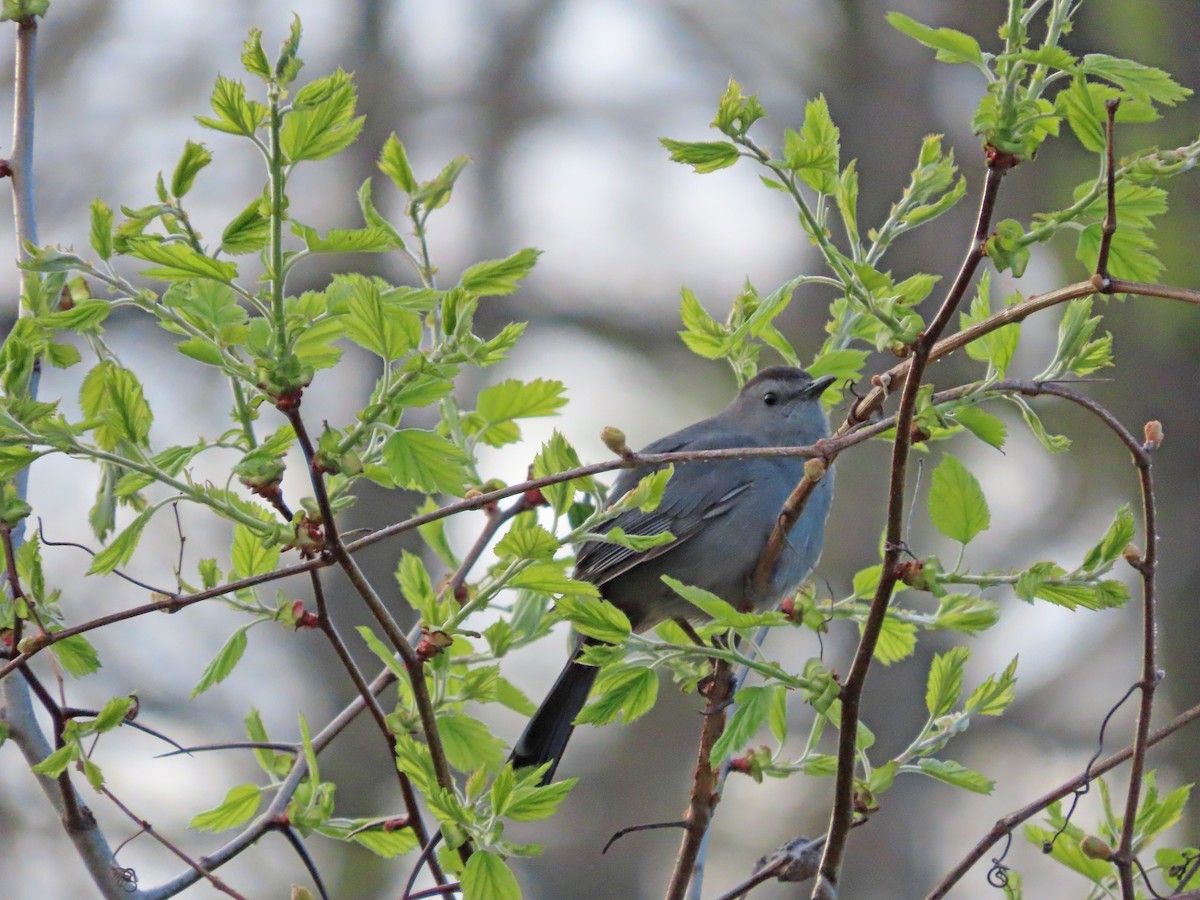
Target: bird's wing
{"x": 686, "y": 508}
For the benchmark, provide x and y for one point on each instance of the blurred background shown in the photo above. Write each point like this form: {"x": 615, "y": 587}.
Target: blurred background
{"x": 559, "y": 105}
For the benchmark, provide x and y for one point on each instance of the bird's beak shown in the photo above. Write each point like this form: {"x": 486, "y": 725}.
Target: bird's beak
{"x": 819, "y": 385}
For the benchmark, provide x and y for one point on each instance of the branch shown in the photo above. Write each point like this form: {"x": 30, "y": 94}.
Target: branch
{"x": 1012, "y": 820}
{"x": 704, "y": 782}
{"x": 843, "y": 809}
{"x": 413, "y": 665}
{"x": 325, "y": 623}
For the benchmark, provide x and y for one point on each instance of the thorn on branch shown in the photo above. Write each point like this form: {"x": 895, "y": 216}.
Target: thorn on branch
{"x": 635, "y": 828}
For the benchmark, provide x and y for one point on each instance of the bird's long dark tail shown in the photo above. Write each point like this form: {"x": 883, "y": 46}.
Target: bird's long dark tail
{"x": 545, "y": 737}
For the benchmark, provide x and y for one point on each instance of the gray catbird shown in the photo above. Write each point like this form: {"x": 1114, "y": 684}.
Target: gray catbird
{"x": 721, "y": 514}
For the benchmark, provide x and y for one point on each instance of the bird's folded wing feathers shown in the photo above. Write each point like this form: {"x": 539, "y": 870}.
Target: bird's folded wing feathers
{"x": 683, "y": 513}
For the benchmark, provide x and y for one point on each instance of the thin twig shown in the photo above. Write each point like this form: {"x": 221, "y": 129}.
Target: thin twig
{"x": 147, "y": 828}
{"x": 1006, "y": 825}
{"x": 413, "y": 665}
{"x": 1109, "y": 226}
{"x": 327, "y": 627}
{"x": 305, "y": 857}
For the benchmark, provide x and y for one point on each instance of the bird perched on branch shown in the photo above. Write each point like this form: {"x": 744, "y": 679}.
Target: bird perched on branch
{"x": 721, "y": 513}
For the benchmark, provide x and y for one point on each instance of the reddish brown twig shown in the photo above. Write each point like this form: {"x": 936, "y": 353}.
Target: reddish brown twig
{"x": 704, "y": 782}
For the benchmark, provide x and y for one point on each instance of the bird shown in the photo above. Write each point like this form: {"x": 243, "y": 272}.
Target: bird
{"x": 721, "y": 514}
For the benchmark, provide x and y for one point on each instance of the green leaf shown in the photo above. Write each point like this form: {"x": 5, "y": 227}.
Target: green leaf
{"x": 417, "y": 588}
{"x": 1066, "y": 850}
{"x": 1130, "y": 253}
{"x": 486, "y": 877}
{"x": 393, "y": 162}
{"x": 720, "y": 611}
{"x": 988, "y": 428}
{"x": 254, "y": 59}
{"x": 178, "y": 262}
{"x": 321, "y": 122}
{"x": 703, "y": 156}
{"x": 195, "y": 157}
{"x": 549, "y": 578}
{"x": 223, "y": 663}
{"x": 993, "y": 696}
{"x": 249, "y": 231}
{"x": 385, "y": 655}
{"x": 1055, "y": 443}
{"x": 499, "y": 404}
{"x": 1143, "y": 83}
{"x": 956, "y": 503}
{"x": 238, "y": 807}
{"x": 595, "y": 618}
{"x": 626, "y": 691}
{"x": 897, "y": 640}
{"x": 951, "y": 46}
{"x": 813, "y": 152}
{"x": 76, "y": 655}
{"x": 250, "y": 556}
{"x": 345, "y": 240}
{"x": 753, "y": 706}
{"x": 121, "y": 549}
{"x": 468, "y": 743}
{"x": 424, "y": 461}
{"x": 234, "y": 114}
{"x": 557, "y": 455}
{"x": 952, "y": 773}
{"x": 1114, "y": 542}
{"x": 998, "y": 347}
{"x": 527, "y": 542}
{"x": 56, "y": 763}
{"x": 638, "y": 542}
{"x": 945, "y": 681}
{"x": 101, "y": 233}
{"x": 499, "y": 277}
{"x": 533, "y": 803}
{"x": 702, "y": 335}
{"x": 113, "y": 713}
{"x": 383, "y": 328}
{"x": 965, "y": 613}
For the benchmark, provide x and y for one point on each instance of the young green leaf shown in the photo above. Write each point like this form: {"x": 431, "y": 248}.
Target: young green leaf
{"x": 753, "y": 706}
{"x": 626, "y": 691}
{"x": 101, "y": 233}
{"x": 499, "y": 277}
{"x": 424, "y": 461}
{"x": 250, "y": 556}
{"x": 953, "y": 773}
{"x": 951, "y": 46}
{"x": 121, "y": 549}
{"x": 76, "y": 655}
{"x": 223, "y": 663}
{"x": 417, "y": 588}
{"x": 195, "y": 157}
{"x": 703, "y": 156}
{"x": 993, "y": 696}
{"x": 487, "y": 877}
{"x": 468, "y": 743}
{"x": 238, "y": 807}
{"x": 945, "y": 681}
{"x": 988, "y": 428}
{"x": 595, "y": 618}
{"x": 813, "y": 152}
{"x": 393, "y": 162}
{"x": 956, "y": 502}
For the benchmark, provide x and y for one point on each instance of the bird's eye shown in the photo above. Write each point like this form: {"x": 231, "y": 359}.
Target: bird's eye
{"x": 770, "y": 398}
